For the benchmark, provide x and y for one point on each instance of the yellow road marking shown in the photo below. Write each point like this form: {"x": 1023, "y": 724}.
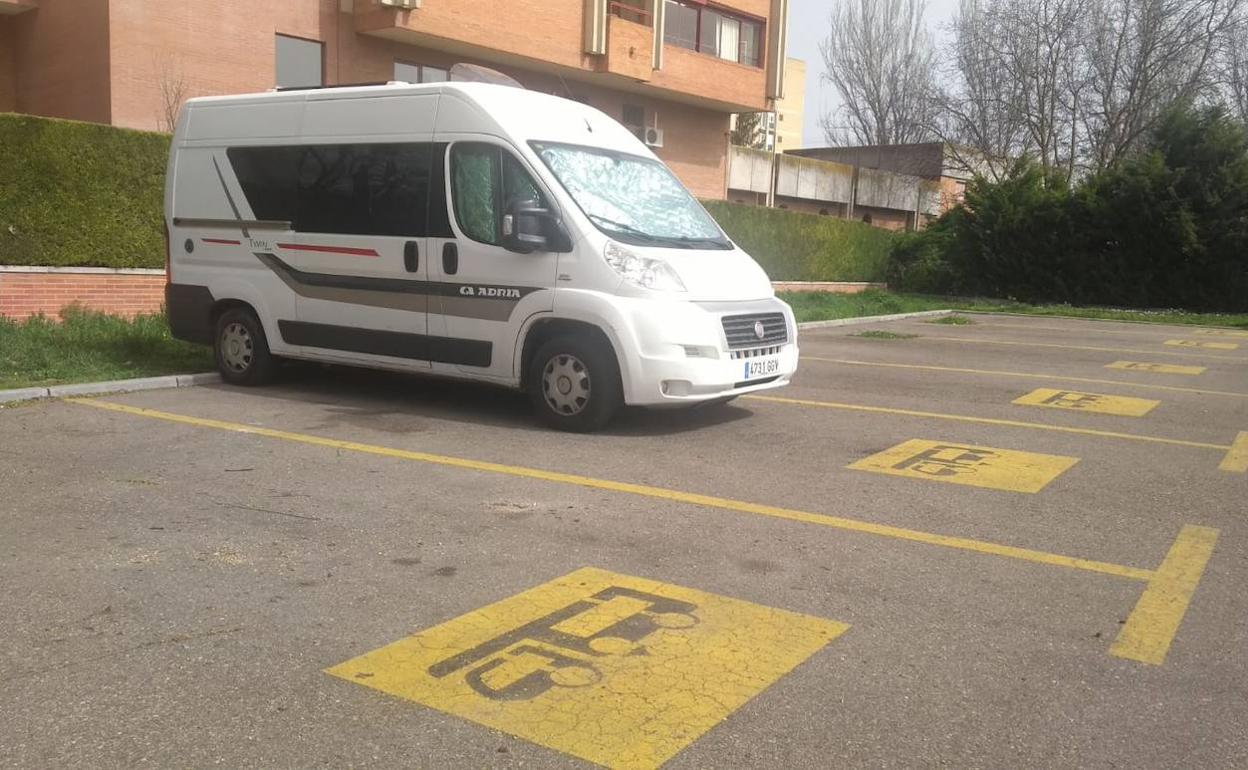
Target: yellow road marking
{"x": 975, "y": 466}
{"x": 1141, "y": 366}
{"x": 1236, "y": 460}
{"x": 1220, "y": 332}
{"x": 1030, "y": 376}
{"x": 1151, "y": 626}
{"x": 1122, "y": 406}
{"x": 708, "y": 501}
{"x": 1202, "y": 344}
{"x": 1058, "y": 346}
{"x": 1141, "y": 329}
{"x": 631, "y": 695}
{"x": 988, "y": 421}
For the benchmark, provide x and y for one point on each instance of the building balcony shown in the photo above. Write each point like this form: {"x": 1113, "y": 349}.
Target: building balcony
{"x": 547, "y": 38}
{"x": 8, "y": 7}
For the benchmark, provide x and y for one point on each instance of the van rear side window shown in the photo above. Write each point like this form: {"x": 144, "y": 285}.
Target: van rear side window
{"x": 348, "y": 189}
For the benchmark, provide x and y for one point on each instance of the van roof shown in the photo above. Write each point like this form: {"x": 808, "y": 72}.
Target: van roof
{"x": 516, "y": 113}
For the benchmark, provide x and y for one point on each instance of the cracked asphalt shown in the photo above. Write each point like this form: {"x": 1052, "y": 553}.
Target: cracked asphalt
{"x": 197, "y": 577}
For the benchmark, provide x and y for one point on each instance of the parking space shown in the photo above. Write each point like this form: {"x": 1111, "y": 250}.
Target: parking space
{"x": 983, "y": 545}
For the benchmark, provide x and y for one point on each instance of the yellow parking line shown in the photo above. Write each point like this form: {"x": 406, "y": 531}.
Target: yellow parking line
{"x": 1151, "y": 626}
{"x": 974, "y": 341}
{"x": 1027, "y": 375}
{"x": 988, "y": 421}
{"x": 835, "y": 522}
{"x": 1236, "y": 460}
{"x": 1144, "y": 329}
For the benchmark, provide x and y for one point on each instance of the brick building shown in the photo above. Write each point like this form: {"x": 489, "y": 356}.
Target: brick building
{"x": 678, "y": 67}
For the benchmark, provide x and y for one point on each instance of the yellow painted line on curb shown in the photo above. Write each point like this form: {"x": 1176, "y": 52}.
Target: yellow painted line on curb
{"x": 1058, "y": 346}
{"x": 708, "y": 501}
{"x": 1097, "y": 403}
{"x": 1202, "y": 344}
{"x": 1236, "y": 460}
{"x": 1027, "y": 375}
{"x": 1151, "y": 368}
{"x": 1151, "y": 626}
{"x": 988, "y": 421}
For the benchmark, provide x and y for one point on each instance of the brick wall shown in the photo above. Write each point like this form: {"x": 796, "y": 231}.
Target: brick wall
{"x": 8, "y": 67}
{"x": 27, "y": 291}
{"x": 62, "y": 60}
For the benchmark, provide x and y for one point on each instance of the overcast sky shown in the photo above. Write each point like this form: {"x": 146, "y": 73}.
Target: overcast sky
{"x": 808, "y": 26}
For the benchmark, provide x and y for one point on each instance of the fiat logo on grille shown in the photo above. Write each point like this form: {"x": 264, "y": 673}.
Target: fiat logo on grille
{"x": 760, "y": 331}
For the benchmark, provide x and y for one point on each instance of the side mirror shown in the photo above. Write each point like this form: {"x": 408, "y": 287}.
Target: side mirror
{"x": 527, "y": 227}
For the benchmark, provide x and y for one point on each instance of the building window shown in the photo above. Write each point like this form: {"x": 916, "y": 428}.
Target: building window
{"x": 634, "y": 115}
{"x": 712, "y": 31}
{"x": 300, "y": 63}
{"x": 418, "y": 73}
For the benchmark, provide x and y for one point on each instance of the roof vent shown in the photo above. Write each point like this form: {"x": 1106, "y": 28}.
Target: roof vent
{"x": 475, "y": 73}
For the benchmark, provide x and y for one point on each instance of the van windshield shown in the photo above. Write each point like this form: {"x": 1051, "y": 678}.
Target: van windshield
{"x": 630, "y": 198}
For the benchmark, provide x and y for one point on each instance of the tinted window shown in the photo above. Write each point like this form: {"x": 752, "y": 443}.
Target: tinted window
{"x": 372, "y": 189}
{"x": 680, "y": 27}
{"x": 299, "y": 62}
{"x": 485, "y": 182}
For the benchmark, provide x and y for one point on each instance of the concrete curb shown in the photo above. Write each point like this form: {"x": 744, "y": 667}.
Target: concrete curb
{"x": 870, "y": 319}
{"x": 189, "y": 380}
{"x": 116, "y": 386}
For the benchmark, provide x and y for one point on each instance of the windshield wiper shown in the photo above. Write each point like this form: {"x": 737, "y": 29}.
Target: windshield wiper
{"x": 623, "y": 227}
{"x": 679, "y": 241}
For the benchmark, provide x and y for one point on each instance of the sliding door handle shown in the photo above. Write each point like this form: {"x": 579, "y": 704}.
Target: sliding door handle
{"x": 450, "y": 258}
{"x": 411, "y": 256}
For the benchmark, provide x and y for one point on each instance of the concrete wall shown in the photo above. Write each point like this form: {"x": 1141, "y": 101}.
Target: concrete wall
{"x": 815, "y": 180}
{"x": 887, "y": 190}
{"x": 749, "y": 170}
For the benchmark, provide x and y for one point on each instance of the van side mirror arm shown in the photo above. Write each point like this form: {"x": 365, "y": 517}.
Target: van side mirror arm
{"x": 528, "y": 227}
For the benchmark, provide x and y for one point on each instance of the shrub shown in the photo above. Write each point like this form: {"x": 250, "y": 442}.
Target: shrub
{"x": 1167, "y": 227}
{"x": 80, "y": 194}
{"x": 806, "y": 247}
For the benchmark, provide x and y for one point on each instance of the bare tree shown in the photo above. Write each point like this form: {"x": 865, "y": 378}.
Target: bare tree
{"x": 880, "y": 58}
{"x": 1143, "y": 56}
{"x": 1235, "y": 67}
{"x": 173, "y": 92}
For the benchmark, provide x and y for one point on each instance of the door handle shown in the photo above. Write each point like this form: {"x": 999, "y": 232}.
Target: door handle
{"x": 450, "y": 258}
{"x": 411, "y": 256}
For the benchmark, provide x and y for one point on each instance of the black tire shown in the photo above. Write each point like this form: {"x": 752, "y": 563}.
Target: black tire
{"x": 574, "y": 383}
{"x": 241, "y": 349}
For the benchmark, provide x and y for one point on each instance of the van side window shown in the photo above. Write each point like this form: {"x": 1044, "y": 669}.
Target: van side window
{"x": 360, "y": 189}
{"x": 485, "y": 182}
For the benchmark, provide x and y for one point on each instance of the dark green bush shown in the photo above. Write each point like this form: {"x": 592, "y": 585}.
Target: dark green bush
{"x": 805, "y": 247}
{"x": 80, "y": 194}
{"x": 1165, "y": 228}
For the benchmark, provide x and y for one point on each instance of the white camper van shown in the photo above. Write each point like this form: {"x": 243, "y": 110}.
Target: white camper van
{"x": 462, "y": 229}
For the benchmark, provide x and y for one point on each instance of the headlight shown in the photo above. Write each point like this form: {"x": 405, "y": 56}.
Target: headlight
{"x": 654, "y": 274}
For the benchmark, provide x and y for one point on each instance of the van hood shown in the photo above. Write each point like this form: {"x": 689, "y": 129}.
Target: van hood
{"x": 713, "y": 275}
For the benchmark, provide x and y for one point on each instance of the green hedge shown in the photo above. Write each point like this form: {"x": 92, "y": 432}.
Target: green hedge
{"x": 91, "y": 195}
{"x": 80, "y": 194}
{"x": 806, "y": 247}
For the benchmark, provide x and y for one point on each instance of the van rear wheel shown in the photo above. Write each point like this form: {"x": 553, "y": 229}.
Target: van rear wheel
{"x": 241, "y": 349}
{"x": 575, "y": 384}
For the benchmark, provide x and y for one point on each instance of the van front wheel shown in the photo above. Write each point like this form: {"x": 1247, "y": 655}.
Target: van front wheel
{"x": 241, "y": 349}
{"x": 575, "y": 384}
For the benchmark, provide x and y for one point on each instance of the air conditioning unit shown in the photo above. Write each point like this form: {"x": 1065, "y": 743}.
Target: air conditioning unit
{"x": 405, "y": 4}
{"x": 653, "y": 137}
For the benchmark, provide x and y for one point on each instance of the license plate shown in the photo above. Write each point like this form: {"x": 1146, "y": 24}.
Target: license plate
{"x": 761, "y": 367}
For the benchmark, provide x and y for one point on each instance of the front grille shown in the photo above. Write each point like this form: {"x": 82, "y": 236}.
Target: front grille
{"x": 754, "y": 352}
{"x": 741, "y": 333}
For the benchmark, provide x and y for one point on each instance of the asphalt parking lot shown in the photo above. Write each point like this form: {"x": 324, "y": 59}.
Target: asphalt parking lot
{"x": 1014, "y": 543}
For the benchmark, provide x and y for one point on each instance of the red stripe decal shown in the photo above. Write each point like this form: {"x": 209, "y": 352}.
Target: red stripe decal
{"x": 223, "y": 241}
{"x": 329, "y": 249}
